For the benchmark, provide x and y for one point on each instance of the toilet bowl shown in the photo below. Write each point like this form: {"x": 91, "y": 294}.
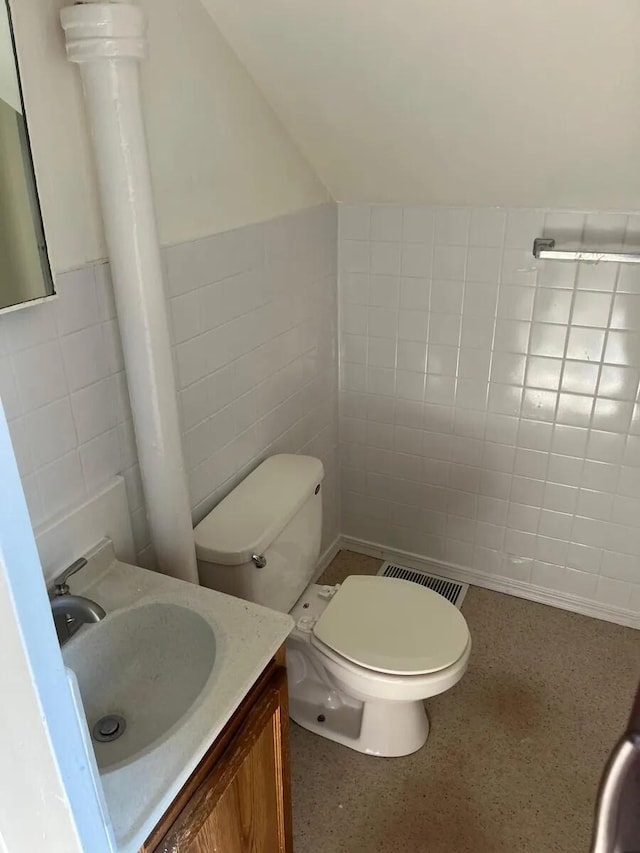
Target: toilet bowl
{"x": 364, "y": 654}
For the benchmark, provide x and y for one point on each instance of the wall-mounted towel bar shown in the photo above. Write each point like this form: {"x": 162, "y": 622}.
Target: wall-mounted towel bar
{"x": 544, "y": 248}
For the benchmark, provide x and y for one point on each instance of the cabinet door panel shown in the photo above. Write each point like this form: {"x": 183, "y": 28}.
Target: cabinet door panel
{"x": 245, "y": 819}
{"x": 243, "y": 805}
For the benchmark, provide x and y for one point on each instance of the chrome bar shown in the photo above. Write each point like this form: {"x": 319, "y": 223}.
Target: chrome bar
{"x": 544, "y": 248}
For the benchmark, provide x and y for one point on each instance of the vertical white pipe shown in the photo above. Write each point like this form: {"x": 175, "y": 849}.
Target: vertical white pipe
{"x": 107, "y": 40}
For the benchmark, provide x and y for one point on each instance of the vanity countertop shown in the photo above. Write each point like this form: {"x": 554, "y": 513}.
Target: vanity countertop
{"x": 247, "y": 636}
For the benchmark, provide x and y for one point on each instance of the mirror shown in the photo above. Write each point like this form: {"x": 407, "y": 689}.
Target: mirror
{"x": 25, "y": 272}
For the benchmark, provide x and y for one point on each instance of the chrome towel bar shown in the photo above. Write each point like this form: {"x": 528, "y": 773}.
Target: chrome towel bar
{"x": 544, "y": 248}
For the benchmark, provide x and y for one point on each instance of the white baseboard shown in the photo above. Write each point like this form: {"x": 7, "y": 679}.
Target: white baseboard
{"x": 327, "y": 556}
{"x": 564, "y": 601}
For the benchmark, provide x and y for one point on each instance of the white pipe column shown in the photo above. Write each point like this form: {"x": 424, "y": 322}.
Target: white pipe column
{"x": 108, "y": 40}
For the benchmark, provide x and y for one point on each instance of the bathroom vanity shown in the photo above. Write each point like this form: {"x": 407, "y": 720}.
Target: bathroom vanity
{"x": 196, "y": 678}
{"x": 238, "y": 799}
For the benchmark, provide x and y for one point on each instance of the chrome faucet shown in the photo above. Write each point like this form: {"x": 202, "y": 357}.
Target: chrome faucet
{"x": 72, "y": 611}
{"x": 60, "y": 585}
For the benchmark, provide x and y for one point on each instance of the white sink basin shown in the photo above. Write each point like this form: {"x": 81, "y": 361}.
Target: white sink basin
{"x": 147, "y": 664}
{"x": 175, "y": 660}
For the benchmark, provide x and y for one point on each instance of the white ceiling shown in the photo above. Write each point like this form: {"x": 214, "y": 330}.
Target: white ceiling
{"x": 519, "y": 102}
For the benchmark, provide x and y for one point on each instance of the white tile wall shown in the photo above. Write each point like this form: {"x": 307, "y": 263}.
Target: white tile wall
{"x": 253, "y": 315}
{"x": 64, "y": 393}
{"x": 489, "y": 402}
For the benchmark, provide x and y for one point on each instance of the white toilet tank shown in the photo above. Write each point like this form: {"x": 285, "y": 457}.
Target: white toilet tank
{"x": 275, "y": 515}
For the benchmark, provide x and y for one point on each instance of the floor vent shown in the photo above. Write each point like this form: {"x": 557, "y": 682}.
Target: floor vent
{"x": 453, "y": 591}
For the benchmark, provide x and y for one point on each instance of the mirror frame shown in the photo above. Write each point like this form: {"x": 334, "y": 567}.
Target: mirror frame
{"x": 32, "y": 189}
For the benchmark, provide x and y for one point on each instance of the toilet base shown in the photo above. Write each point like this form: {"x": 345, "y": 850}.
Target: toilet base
{"x": 367, "y": 711}
{"x": 388, "y": 729}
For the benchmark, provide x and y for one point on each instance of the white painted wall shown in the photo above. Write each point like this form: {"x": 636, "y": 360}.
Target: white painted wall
{"x": 220, "y": 158}
{"x": 510, "y": 102}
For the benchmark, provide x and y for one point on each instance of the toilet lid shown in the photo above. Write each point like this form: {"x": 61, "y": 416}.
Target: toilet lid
{"x": 393, "y": 626}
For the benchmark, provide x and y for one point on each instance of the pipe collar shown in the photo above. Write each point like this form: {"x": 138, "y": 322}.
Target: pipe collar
{"x": 104, "y": 31}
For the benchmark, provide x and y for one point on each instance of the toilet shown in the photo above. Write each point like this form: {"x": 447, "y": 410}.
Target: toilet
{"x": 364, "y": 654}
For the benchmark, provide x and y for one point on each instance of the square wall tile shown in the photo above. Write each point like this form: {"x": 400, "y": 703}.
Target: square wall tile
{"x": 543, "y": 372}
{"x": 382, "y": 322}
{"x": 516, "y": 303}
{"x": 412, "y": 355}
{"x": 412, "y": 325}
{"x": 452, "y": 226}
{"x": 77, "y": 303}
{"x": 385, "y": 258}
{"x": 354, "y": 256}
{"x": 418, "y": 224}
{"x": 480, "y": 298}
{"x": 626, "y": 311}
{"x": 585, "y": 344}
{"x": 449, "y": 262}
{"x": 552, "y": 306}
{"x": 574, "y": 410}
{"x": 477, "y": 331}
{"x": 539, "y": 405}
{"x": 597, "y": 277}
{"x": 416, "y": 260}
{"x": 23, "y": 330}
{"x": 513, "y": 382}
{"x": 414, "y": 293}
{"x": 39, "y": 375}
{"x": 519, "y": 267}
{"x": 354, "y": 221}
{"x": 580, "y": 377}
{"x": 85, "y": 357}
{"x": 483, "y": 264}
{"x": 384, "y": 290}
{"x": 591, "y": 309}
{"x": 549, "y": 340}
{"x": 386, "y": 222}
{"x": 474, "y": 364}
{"x": 488, "y": 227}
{"x": 446, "y": 297}
{"x": 523, "y": 226}
{"x": 511, "y": 336}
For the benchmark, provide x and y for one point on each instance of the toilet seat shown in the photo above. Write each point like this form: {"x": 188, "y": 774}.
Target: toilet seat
{"x": 372, "y": 711}
{"x": 391, "y": 626}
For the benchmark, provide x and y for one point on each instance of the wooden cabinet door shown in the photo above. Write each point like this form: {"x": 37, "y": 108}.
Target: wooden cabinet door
{"x": 244, "y": 804}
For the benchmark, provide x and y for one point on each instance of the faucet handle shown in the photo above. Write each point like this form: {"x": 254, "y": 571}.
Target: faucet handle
{"x": 60, "y": 585}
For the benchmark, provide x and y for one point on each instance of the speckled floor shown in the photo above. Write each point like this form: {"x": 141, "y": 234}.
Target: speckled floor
{"x": 515, "y": 751}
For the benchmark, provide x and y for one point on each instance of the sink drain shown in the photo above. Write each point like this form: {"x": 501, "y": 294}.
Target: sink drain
{"x": 109, "y": 728}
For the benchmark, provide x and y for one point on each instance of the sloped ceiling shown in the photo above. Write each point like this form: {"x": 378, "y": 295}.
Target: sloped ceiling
{"x": 522, "y": 102}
